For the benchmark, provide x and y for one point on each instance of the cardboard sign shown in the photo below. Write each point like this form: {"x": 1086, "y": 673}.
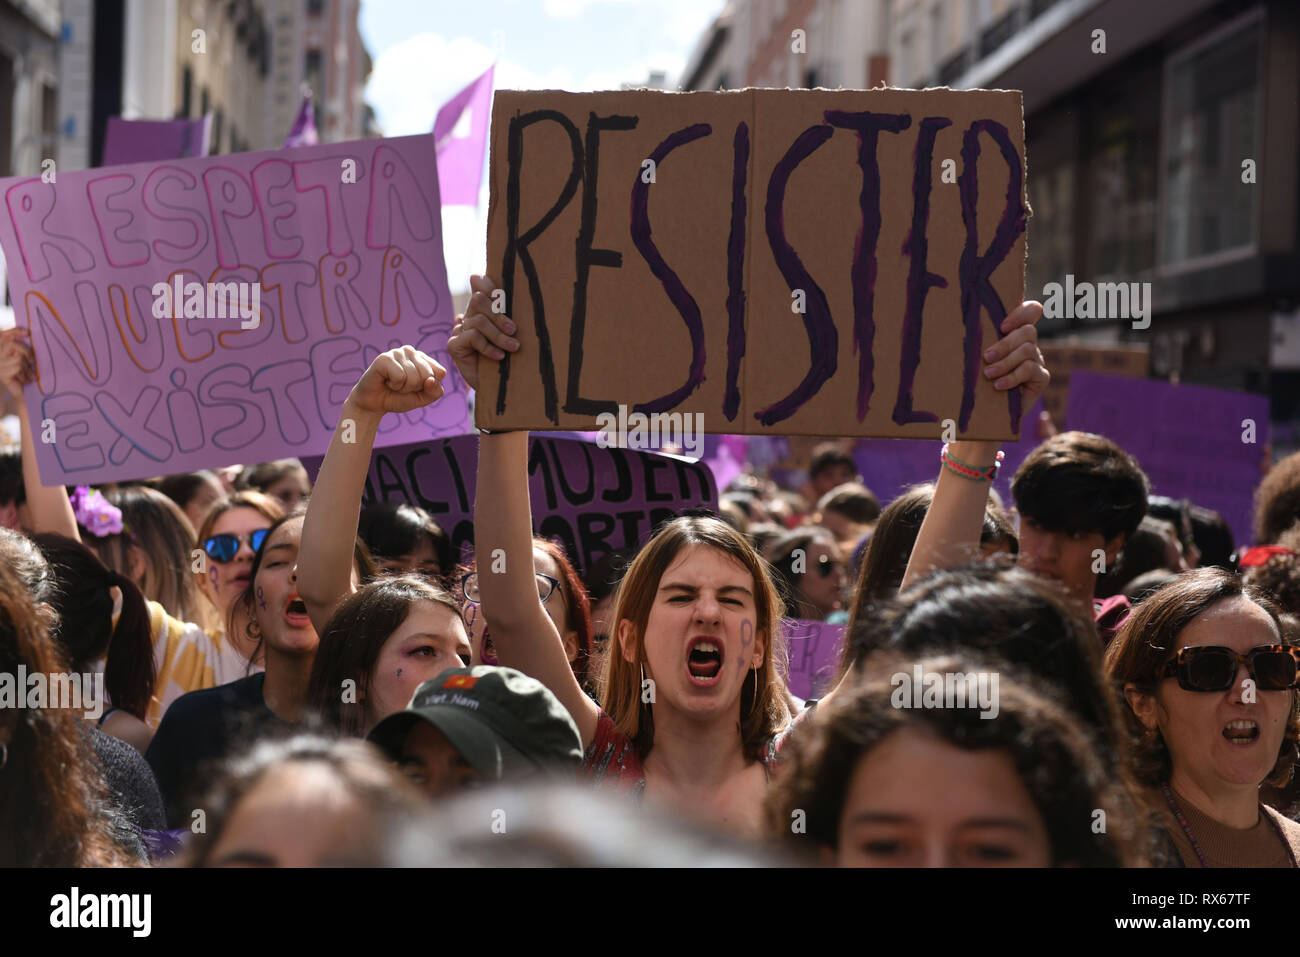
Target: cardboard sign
{"x": 1066, "y": 359}
{"x": 593, "y": 500}
{"x": 799, "y": 262}
{"x": 1193, "y": 442}
{"x": 814, "y": 655}
{"x": 202, "y": 312}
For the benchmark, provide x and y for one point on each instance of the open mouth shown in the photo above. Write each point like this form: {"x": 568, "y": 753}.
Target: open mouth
{"x": 1241, "y": 731}
{"x": 295, "y": 612}
{"x": 704, "y": 661}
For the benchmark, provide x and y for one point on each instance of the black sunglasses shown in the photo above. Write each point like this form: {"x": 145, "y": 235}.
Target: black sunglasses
{"x": 224, "y": 547}
{"x": 826, "y": 566}
{"x": 1213, "y": 668}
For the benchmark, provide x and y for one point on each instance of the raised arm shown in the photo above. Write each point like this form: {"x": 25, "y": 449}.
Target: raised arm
{"x": 397, "y": 381}
{"x": 523, "y": 634}
{"x": 49, "y": 507}
{"x": 950, "y": 534}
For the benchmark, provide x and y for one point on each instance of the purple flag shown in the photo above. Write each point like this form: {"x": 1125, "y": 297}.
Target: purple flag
{"x": 149, "y": 141}
{"x": 304, "y": 125}
{"x": 460, "y": 132}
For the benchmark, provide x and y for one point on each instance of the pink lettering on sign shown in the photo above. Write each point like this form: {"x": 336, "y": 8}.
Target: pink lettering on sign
{"x": 192, "y": 313}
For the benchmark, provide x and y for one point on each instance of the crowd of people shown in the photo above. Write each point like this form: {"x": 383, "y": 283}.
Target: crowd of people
{"x": 1088, "y": 675}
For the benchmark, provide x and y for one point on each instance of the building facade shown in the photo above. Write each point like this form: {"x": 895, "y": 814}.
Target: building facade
{"x": 1161, "y": 139}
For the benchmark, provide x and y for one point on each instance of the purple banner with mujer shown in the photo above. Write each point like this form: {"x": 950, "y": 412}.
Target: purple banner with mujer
{"x": 1194, "y": 442}
{"x": 593, "y": 500}
{"x": 196, "y": 313}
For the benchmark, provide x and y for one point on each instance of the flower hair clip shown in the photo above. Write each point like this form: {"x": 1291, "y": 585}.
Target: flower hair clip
{"x": 95, "y": 513}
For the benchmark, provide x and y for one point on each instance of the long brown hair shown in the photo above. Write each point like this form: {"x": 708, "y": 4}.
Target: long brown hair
{"x": 1149, "y": 638}
{"x": 576, "y": 603}
{"x": 762, "y": 701}
{"x": 166, "y": 539}
{"x": 53, "y": 800}
{"x": 351, "y": 642}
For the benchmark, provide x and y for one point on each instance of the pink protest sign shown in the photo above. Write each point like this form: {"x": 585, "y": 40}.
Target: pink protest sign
{"x": 203, "y": 312}
{"x": 813, "y": 648}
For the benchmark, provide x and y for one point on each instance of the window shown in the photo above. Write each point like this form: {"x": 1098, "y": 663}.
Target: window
{"x": 187, "y": 91}
{"x": 1211, "y": 123}
{"x": 216, "y": 132}
{"x": 315, "y": 8}
{"x": 1121, "y": 120}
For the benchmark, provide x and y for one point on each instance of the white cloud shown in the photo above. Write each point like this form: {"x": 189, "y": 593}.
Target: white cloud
{"x": 412, "y": 79}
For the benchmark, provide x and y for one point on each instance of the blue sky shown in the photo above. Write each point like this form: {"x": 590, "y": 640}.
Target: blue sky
{"x": 424, "y": 51}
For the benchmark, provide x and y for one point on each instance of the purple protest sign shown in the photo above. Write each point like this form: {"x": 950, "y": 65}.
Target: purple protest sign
{"x": 813, "y": 648}
{"x": 203, "y": 312}
{"x": 1193, "y": 442}
{"x": 150, "y": 141}
{"x": 593, "y": 500}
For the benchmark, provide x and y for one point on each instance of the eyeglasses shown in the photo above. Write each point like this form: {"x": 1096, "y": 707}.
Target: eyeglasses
{"x": 1213, "y": 668}
{"x": 224, "y": 547}
{"x": 469, "y": 587}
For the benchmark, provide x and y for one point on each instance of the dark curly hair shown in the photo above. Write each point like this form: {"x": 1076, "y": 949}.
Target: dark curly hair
{"x": 1277, "y": 500}
{"x": 1053, "y": 755}
{"x": 1279, "y": 577}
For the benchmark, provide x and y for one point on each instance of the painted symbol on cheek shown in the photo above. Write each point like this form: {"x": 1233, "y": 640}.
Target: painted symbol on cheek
{"x": 399, "y": 672}
{"x": 472, "y": 615}
{"x": 746, "y": 639}
{"x": 213, "y": 576}
{"x": 261, "y": 602}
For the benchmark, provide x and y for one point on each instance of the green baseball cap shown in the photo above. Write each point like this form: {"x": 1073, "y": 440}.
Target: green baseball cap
{"x": 504, "y": 723}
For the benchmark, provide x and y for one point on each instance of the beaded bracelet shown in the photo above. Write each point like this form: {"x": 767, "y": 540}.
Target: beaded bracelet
{"x": 969, "y": 471}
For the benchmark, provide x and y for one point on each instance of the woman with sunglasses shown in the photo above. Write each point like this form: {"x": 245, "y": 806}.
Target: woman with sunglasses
{"x": 811, "y": 572}
{"x": 1211, "y": 693}
{"x": 230, "y": 536}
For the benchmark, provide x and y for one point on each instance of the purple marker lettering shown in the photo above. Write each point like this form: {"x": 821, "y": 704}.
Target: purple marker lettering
{"x": 678, "y": 294}
{"x": 919, "y": 279}
{"x": 261, "y": 602}
{"x": 823, "y": 341}
{"x": 869, "y": 127}
{"x": 976, "y": 271}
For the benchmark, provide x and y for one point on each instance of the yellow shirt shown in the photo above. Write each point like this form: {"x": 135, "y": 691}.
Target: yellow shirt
{"x": 186, "y": 658}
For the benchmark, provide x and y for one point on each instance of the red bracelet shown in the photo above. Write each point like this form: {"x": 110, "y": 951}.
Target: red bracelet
{"x": 970, "y": 471}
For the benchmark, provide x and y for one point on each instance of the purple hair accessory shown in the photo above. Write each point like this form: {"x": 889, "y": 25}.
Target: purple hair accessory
{"x": 94, "y": 512}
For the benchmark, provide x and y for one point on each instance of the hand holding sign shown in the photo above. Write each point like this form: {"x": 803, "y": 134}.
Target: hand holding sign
{"x": 398, "y": 381}
{"x": 480, "y": 331}
{"x": 17, "y": 362}
{"x": 1015, "y": 359}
